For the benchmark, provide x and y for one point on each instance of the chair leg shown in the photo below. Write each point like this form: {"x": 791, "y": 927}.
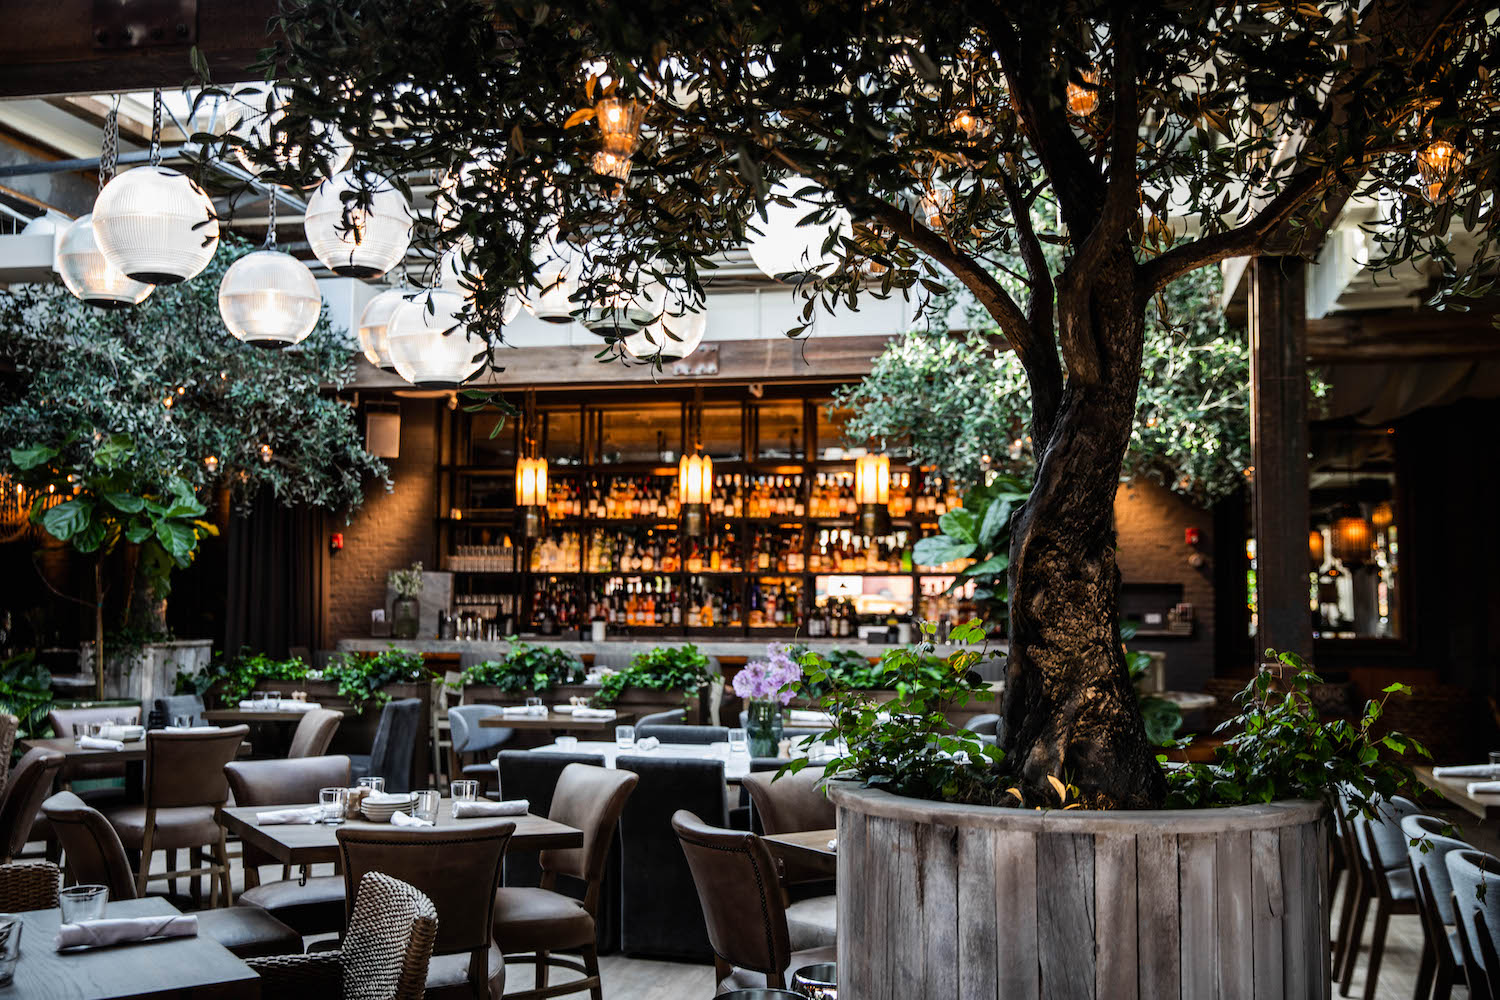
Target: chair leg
{"x": 542, "y": 970}
{"x": 1377, "y": 946}
{"x": 1346, "y": 914}
{"x": 1425, "y": 970}
{"x": 591, "y": 966}
{"x": 1356, "y": 935}
{"x": 144, "y": 868}
{"x": 226, "y": 887}
{"x": 1442, "y": 988}
{"x": 198, "y": 862}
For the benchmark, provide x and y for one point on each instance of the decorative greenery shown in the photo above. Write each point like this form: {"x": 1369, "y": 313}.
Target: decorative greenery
{"x": 979, "y": 530}
{"x": 26, "y": 693}
{"x": 527, "y": 668}
{"x": 904, "y": 745}
{"x": 407, "y": 583}
{"x": 665, "y": 668}
{"x": 361, "y": 677}
{"x": 1282, "y": 749}
{"x": 232, "y": 678}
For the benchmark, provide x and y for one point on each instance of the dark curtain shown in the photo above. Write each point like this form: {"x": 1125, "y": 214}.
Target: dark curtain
{"x": 276, "y": 583}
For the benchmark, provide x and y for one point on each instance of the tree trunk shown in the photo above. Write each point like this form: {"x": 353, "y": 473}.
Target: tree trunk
{"x": 1070, "y": 708}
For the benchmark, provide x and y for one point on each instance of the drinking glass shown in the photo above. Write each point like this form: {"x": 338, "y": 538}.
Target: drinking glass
{"x": 463, "y": 790}
{"x": 374, "y": 784}
{"x": 425, "y": 804}
{"x": 534, "y": 706}
{"x": 96, "y": 730}
{"x": 739, "y": 741}
{"x": 566, "y": 742}
{"x": 82, "y": 902}
{"x": 273, "y": 700}
{"x": 1495, "y": 757}
{"x": 625, "y": 737}
{"x": 182, "y": 721}
{"x": 80, "y": 730}
{"x": 10, "y": 946}
{"x": 333, "y": 802}
{"x": 257, "y": 701}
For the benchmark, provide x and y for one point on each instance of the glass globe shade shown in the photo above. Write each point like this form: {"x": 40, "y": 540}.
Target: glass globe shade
{"x": 433, "y": 349}
{"x": 622, "y": 312}
{"x": 269, "y": 299}
{"x": 784, "y": 247}
{"x": 455, "y": 275}
{"x": 155, "y": 225}
{"x": 550, "y": 299}
{"x": 373, "y": 321}
{"x": 256, "y": 128}
{"x": 673, "y": 335}
{"x": 355, "y": 241}
{"x": 89, "y": 276}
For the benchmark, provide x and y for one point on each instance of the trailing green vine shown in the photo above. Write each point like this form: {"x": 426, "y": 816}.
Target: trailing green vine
{"x": 527, "y": 668}
{"x": 665, "y": 668}
{"x": 362, "y": 677}
{"x": 232, "y": 678}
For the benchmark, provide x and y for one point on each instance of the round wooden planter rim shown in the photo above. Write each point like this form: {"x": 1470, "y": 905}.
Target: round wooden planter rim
{"x": 1270, "y": 816}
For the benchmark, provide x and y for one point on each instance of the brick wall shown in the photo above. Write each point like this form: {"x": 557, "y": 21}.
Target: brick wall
{"x": 1150, "y": 522}
{"x": 392, "y": 529}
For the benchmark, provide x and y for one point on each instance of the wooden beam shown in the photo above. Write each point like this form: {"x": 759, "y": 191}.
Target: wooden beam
{"x": 1408, "y": 335}
{"x": 50, "y": 48}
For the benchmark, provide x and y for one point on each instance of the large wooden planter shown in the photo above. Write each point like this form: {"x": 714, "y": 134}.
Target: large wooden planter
{"x": 967, "y": 902}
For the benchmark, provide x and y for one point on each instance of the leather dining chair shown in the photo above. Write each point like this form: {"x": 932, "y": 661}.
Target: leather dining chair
{"x": 30, "y": 782}
{"x": 480, "y": 743}
{"x": 1442, "y": 958}
{"x": 540, "y": 921}
{"x": 458, "y": 868}
{"x": 1384, "y": 877}
{"x": 791, "y": 803}
{"x": 184, "y": 786}
{"x": 1476, "y": 903}
{"x": 534, "y": 777}
{"x": 390, "y": 755}
{"x": 164, "y": 711}
{"x": 671, "y": 717}
{"x": 9, "y": 726}
{"x": 62, "y": 720}
{"x": 314, "y": 732}
{"x": 735, "y": 878}
{"x": 95, "y": 856}
{"x": 313, "y": 905}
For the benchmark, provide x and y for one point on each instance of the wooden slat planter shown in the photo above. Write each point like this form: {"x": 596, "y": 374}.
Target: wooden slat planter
{"x": 943, "y": 902}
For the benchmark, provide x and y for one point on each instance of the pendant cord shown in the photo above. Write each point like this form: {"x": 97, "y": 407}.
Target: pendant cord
{"x": 111, "y": 150}
{"x": 271, "y": 223}
{"x": 156, "y": 128}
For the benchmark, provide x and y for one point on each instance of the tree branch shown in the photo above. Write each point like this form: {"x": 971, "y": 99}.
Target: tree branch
{"x": 1043, "y": 368}
{"x": 1122, "y": 195}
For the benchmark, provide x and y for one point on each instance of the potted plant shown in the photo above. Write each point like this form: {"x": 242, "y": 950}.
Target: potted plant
{"x": 523, "y": 671}
{"x": 406, "y": 611}
{"x": 229, "y": 680}
{"x": 659, "y": 679}
{"x": 766, "y": 686}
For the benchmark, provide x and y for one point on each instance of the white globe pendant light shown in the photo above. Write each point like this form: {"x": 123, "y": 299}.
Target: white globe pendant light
{"x": 550, "y": 298}
{"x": 269, "y": 299}
{"x": 373, "y": 323}
{"x": 91, "y": 277}
{"x": 254, "y": 116}
{"x": 674, "y": 334}
{"x": 628, "y": 300}
{"x": 429, "y": 343}
{"x": 355, "y": 240}
{"x": 456, "y": 275}
{"x": 782, "y": 247}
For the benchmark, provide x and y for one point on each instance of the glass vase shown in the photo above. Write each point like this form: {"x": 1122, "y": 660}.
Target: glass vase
{"x": 406, "y": 617}
{"x": 763, "y": 727}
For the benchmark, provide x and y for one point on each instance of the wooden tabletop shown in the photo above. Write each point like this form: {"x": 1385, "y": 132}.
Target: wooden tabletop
{"x": 1456, "y": 790}
{"x": 557, "y": 722}
{"x": 170, "y": 967}
{"x": 70, "y": 749}
{"x": 811, "y": 843}
{"x": 304, "y": 843}
{"x": 238, "y": 715}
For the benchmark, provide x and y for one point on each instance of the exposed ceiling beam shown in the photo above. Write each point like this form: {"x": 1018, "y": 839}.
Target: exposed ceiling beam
{"x": 1411, "y": 335}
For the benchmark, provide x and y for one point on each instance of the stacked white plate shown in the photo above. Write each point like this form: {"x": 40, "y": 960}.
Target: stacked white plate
{"x": 378, "y": 807}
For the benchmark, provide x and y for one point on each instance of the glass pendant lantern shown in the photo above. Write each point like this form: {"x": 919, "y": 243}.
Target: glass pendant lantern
{"x": 550, "y": 297}
{"x": 676, "y": 333}
{"x": 358, "y": 240}
{"x": 429, "y": 343}
{"x": 784, "y": 246}
{"x": 872, "y": 493}
{"x": 254, "y": 117}
{"x": 269, "y": 298}
{"x": 695, "y": 476}
{"x": 373, "y": 321}
{"x": 91, "y": 277}
{"x": 531, "y": 476}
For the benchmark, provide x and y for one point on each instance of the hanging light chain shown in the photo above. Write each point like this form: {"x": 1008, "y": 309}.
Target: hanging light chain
{"x": 156, "y": 127}
{"x": 271, "y": 222}
{"x": 111, "y": 150}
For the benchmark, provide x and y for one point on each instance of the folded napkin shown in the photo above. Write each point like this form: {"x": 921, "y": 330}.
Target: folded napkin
{"x": 401, "y": 819}
{"x": 292, "y": 705}
{"x": 1484, "y": 788}
{"x": 95, "y": 743}
{"x": 584, "y": 712}
{"x": 118, "y": 930}
{"x": 514, "y": 710}
{"x": 511, "y": 807}
{"x": 192, "y": 729}
{"x": 807, "y": 717}
{"x": 648, "y": 743}
{"x": 1467, "y": 771}
{"x": 307, "y": 814}
{"x": 125, "y": 734}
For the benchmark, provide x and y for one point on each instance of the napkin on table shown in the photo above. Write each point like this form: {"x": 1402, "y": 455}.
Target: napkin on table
{"x": 514, "y": 710}
{"x": 125, "y": 734}
{"x": 192, "y": 729}
{"x": 401, "y": 819}
{"x": 648, "y": 743}
{"x": 95, "y": 743}
{"x": 275, "y": 817}
{"x": 1484, "y": 788}
{"x": 807, "y": 717}
{"x": 510, "y": 807}
{"x": 293, "y": 705}
{"x": 584, "y": 712}
{"x": 118, "y": 930}
{"x": 1467, "y": 771}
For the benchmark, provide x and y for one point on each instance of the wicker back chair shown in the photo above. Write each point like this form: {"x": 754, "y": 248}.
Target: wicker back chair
{"x": 383, "y": 957}
{"x": 29, "y": 886}
{"x": 8, "y": 726}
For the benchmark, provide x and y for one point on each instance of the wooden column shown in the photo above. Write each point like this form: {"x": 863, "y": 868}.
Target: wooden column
{"x": 1279, "y": 445}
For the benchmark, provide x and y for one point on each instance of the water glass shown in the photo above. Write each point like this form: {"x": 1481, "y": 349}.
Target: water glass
{"x": 566, "y": 742}
{"x": 425, "y": 804}
{"x": 333, "y": 802}
{"x": 80, "y": 730}
{"x": 10, "y": 946}
{"x": 625, "y": 737}
{"x": 463, "y": 790}
{"x": 534, "y": 706}
{"x": 1495, "y": 758}
{"x": 182, "y": 721}
{"x": 96, "y": 730}
{"x": 273, "y": 700}
{"x": 374, "y": 784}
{"x": 82, "y": 902}
{"x": 739, "y": 741}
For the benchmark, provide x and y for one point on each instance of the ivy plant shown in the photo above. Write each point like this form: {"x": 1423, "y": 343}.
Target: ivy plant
{"x": 979, "y": 530}
{"x": 26, "y": 693}
{"x": 527, "y": 668}
{"x": 362, "y": 677}
{"x": 665, "y": 668}
{"x": 232, "y": 678}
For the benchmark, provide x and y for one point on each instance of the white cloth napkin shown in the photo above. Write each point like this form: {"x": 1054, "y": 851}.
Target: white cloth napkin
{"x": 118, "y": 930}
{"x": 648, "y": 743}
{"x": 401, "y": 819}
{"x": 1484, "y": 788}
{"x": 515, "y": 710}
{"x": 125, "y": 734}
{"x": 95, "y": 743}
{"x": 293, "y": 705}
{"x": 1467, "y": 771}
{"x": 807, "y": 717}
{"x": 584, "y": 712}
{"x": 510, "y": 807}
{"x": 309, "y": 814}
{"x": 388, "y": 798}
{"x": 192, "y": 729}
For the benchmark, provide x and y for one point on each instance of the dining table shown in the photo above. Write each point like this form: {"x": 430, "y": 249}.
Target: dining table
{"x": 312, "y": 843}
{"x": 1456, "y": 790}
{"x": 557, "y": 722}
{"x": 131, "y": 755}
{"x": 812, "y": 849}
{"x": 235, "y": 716}
{"x": 736, "y": 765}
{"x": 166, "y": 967}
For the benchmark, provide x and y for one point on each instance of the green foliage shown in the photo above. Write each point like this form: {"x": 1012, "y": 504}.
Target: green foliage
{"x": 979, "y": 530}
{"x": 665, "y": 668}
{"x": 407, "y": 583}
{"x": 527, "y": 668}
{"x": 904, "y": 745}
{"x": 1161, "y": 717}
{"x": 362, "y": 676}
{"x": 1283, "y": 750}
{"x": 232, "y": 678}
{"x": 850, "y": 670}
{"x": 26, "y": 692}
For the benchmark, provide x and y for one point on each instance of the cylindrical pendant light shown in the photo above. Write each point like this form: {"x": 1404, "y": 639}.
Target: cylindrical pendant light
{"x": 782, "y": 245}
{"x": 355, "y": 239}
{"x": 695, "y": 476}
{"x": 89, "y": 275}
{"x": 269, "y": 298}
{"x": 531, "y": 475}
{"x": 373, "y": 321}
{"x": 1353, "y": 539}
{"x": 1316, "y": 552}
{"x": 872, "y": 493}
{"x": 429, "y": 343}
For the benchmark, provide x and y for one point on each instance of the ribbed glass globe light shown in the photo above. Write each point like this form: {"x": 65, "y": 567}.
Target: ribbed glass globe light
{"x": 353, "y": 240}
{"x": 269, "y": 299}
{"x": 782, "y": 247}
{"x": 430, "y": 347}
{"x": 550, "y": 299}
{"x": 373, "y": 322}
{"x": 256, "y": 128}
{"x": 89, "y": 276}
{"x": 622, "y": 312}
{"x": 676, "y": 332}
{"x": 155, "y": 225}
{"x": 456, "y": 274}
